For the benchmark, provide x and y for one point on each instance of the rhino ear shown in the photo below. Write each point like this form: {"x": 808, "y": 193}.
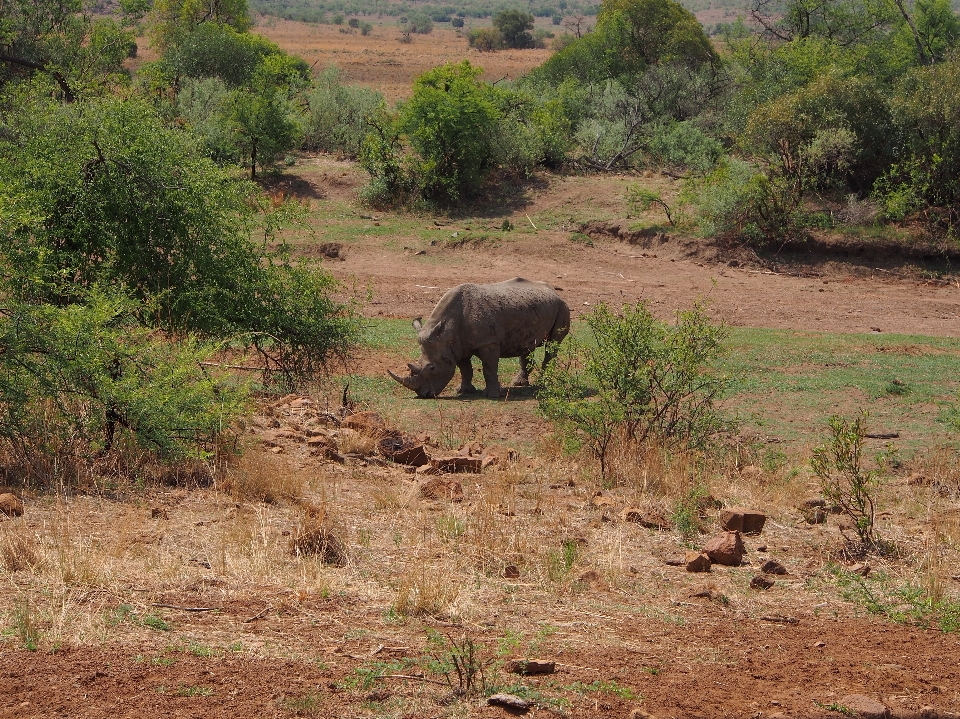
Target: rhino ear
{"x": 438, "y": 329}
{"x": 418, "y": 324}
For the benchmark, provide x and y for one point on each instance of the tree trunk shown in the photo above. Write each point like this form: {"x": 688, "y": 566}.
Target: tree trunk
{"x": 253, "y": 161}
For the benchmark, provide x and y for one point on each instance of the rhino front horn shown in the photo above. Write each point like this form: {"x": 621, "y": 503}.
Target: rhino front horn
{"x": 405, "y": 381}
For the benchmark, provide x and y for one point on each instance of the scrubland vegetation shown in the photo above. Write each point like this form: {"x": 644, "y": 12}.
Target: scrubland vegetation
{"x": 177, "y": 368}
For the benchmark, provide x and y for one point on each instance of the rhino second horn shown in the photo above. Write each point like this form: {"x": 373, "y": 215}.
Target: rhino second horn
{"x": 405, "y": 381}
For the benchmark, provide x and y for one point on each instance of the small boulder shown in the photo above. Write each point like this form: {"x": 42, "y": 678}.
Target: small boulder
{"x": 815, "y": 515}
{"x": 863, "y": 569}
{"x": 761, "y": 582}
{"x": 158, "y": 513}
{"x": 510, "y": 702}
{"x": 647, "y": 520}
{"x": 772, "y": 566}
{"x": 601, "y": 502}
{"x": 812, "y": 503}
{"x": 918, "y": 479}
{"x": 726, "y": 548}
{"x": 314, "y": 539}
{"x": 697, "y": 562}
{"x": 511, "y": 571}
{"x": 864, "y": 707}
{"x": 590, "y": 578}
{"x": 442, "y": 488}
{"x": 742, "y": 519}
{"x": 10, "y": 505}
{"x": 529, "y": 667}
{"x": 403, "y": 450}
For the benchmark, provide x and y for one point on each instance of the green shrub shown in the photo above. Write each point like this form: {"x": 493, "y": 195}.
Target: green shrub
{"x": 637, "y": 378}
{"x": 844, "y": 481}
{"x": 338, "y": 114}
{"x": 486, "y": 39}
{"x": 683, "y": 146}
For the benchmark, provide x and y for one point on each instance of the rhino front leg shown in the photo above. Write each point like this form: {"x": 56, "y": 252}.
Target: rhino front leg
{"x": 523, "y": 376}
{"x": 466, "y": 376}
{"x": 490, "y": 359}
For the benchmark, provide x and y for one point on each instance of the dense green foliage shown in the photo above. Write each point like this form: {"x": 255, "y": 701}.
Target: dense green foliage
{"x": 130, "y": 268}
{"x": 636, "y": 378}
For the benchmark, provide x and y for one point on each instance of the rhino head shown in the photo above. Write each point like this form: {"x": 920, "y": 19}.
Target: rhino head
{"x": 436, "y": 366}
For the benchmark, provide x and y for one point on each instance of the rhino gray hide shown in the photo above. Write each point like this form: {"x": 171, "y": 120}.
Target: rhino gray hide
{"x": 503, "y": 319}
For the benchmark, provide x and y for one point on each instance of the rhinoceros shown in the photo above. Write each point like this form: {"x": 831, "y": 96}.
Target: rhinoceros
{"x": 502, "y": 319}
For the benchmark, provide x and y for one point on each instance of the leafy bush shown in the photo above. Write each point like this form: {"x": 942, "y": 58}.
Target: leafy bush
{"x": 338, "y": 114}
{"x": 419, "y": 23}
{"x": 683, "y": 146}
{"x": 737, "y": 200}
{"x": 844, "y": 480}
{"x": 515, "y": 27}
{"x": 486, "y": 39}
{"x": 107, "y": 195}
{"x": 637, "y": 378}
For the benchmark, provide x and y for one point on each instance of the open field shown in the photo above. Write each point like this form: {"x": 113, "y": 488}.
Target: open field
{"x": 380, "y": 61}
{"x": 185, "y": 601}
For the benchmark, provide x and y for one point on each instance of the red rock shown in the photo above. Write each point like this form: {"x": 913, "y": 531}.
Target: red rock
{"x": 489, "y": 461}
{"x": 742, "y": 519}
{"x": 726, "y": 548}
{"x": 428, "y": 470}
{"x": 511, "y": 572}
{"x": 864, "y": 707}
{"x": 158, "y": 513}
{"x": 441, "y": 488}
{"x": 10, "y": 505}
{"x": 648, "y": 520}
{"x": 403, "y": 451}
{"x": 772, "y": 566}
{"x": 509, "y": 702}
{"x": 697, "y": 562}
{"x": 761, "y": 582}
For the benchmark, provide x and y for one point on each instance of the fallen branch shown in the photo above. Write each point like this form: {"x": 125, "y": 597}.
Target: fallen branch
{"x": 412, "y": 678}
{"x": 187, "y": 609}
{"x": 780, "y": 620}
{"x": 258, "y": 616}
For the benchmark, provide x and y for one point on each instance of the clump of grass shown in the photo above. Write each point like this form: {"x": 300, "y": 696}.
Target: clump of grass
{"x": 18, "y": 551}
{"x": 24, "y": 626}
{"x": 559, "y": 562}
{"x": 261, "y": 477}
{"x": 315, "y": 537}
{"x": 425, "y": 590}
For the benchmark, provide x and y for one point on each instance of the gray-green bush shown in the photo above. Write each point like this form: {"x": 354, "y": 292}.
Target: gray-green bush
{"x": 338, "y": 115}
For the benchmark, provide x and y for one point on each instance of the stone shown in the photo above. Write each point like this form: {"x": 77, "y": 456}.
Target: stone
{"x": 726, "y": 549}
{"x": 812, "y": 502}
{"x": 761, "y": 582}
{"x": 456, "y": 464}
{"x": 428, "y": 470}
{"x": 510, "y": 702}
{"x": 697, "y": 562}
{"x": 815, "y": 515}
{"x": 641, "y": 714}
{"x": 647, "y": 520}
{"x": 917, "y": 479}
{"x": 402, "y": 450}
{"x": 675, "y": 561}
{"x": 511, "y": 572}
{"x": 772, "y": 566}
{"x": 600, "y": 502}
{"x": 864, "y": 707}
{"x": 530, "y": 667}
{"x": 591, "y": 577}
{"x": 742, "y": 519}
{"x": 10, "y": 505}
{"x": 369, "y": 423}
{"x": 158, "y": 513}
{"x": 761, "y": 547}
{"x": 489, "y": 460}
{"x": 442, "y": 488}
{"x": 863, "y": 569}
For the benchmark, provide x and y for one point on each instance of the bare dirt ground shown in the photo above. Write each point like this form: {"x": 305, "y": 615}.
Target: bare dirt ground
{"x": 189, "y": 602}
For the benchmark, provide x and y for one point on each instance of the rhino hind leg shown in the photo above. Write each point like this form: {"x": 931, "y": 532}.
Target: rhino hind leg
{"x": 523, "y": 376}
{"x": 466, "y": 377}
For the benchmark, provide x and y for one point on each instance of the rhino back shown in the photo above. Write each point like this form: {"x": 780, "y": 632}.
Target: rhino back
{"x": 516, "y": 314}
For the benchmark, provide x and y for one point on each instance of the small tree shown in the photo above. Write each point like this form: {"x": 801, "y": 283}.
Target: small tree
{"x": 451, "y": 121}
{"x": 638, "y": 378}
{"x": 844, "y": 480}
{"x": 516, "y": 28}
